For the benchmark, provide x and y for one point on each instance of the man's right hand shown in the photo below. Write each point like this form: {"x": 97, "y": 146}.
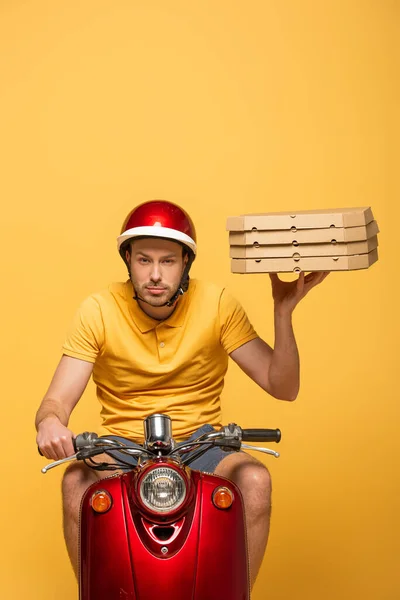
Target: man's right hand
{"x": 54, "y": 439}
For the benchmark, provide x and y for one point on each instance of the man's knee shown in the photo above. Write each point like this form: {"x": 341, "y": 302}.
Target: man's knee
{"x": 256, "y": 476}
{"x": 253, "y": 480}
{"x": 256, "y": 488}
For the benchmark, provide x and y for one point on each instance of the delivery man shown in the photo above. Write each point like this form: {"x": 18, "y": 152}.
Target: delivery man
{"x": 159, "y": 343}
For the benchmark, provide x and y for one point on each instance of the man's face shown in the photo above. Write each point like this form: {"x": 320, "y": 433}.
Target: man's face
{"x": 156, "y": 269}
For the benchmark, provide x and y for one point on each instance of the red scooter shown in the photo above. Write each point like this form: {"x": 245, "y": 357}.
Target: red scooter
{"x": 162, "y": 530}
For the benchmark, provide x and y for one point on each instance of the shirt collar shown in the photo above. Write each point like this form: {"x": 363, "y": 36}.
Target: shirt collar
{"x": 146, "y": 323}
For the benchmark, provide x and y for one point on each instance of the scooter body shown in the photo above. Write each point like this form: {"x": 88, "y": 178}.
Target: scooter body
{"x": 160, "y": 529}
{"x": 197, "y": 553}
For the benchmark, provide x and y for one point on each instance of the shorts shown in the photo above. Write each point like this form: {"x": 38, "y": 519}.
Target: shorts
{"x": 207, "y": 463}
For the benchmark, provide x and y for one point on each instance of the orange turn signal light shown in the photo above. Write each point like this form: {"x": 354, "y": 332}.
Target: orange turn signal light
{"x": 101, "y": 501}
{"x": 222, "y": 497}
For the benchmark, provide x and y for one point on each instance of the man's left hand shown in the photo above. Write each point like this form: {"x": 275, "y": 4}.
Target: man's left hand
{"x": 287, "y": 294}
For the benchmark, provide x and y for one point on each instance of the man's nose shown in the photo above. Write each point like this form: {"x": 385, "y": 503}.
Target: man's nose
{"x": 155, "y": 272}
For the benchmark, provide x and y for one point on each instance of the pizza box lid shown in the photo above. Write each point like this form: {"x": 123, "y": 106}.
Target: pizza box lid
{"x": 303, "y": 219}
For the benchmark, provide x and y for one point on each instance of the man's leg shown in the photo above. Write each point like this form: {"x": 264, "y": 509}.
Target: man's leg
{"x": 254, "y": 482}
{"x": 77, "y": 478}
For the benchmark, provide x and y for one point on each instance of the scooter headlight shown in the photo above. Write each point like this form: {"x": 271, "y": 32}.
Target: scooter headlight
{"x": 162, "y": 490}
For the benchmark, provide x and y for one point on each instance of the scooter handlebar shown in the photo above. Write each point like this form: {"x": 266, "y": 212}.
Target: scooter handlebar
{"x": 261, "y": 435}
{"x": 87, "y": 444}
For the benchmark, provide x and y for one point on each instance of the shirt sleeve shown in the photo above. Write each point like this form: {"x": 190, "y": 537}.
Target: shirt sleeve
{"x": 85, "y": 337}
{"x": 236, "y": 328}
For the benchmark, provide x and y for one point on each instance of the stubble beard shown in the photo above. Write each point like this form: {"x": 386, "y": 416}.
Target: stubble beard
{"x": 156, "y": 301}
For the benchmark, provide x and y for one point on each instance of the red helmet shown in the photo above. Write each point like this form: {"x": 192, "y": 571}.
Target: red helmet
{"x": 159, "y": 218}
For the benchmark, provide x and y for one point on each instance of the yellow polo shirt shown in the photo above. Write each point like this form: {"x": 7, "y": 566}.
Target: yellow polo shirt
{"x": 143, "y": 366}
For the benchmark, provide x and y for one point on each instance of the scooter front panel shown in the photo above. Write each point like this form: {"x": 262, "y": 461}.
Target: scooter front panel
{"x": 206, "y": 560}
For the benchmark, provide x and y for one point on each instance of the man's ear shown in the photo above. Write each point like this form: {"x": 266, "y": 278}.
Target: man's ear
{"x": 185, "y": 259}
{"x": 128, "y": 256}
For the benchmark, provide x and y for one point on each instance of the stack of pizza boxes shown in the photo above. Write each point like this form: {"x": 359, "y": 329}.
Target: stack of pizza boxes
{"x": 340, "y": 239}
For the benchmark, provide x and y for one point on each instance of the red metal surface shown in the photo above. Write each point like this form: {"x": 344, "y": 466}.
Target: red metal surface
{"x": 222, "y": 567}
{"x": 105, "y": 559}
{"x": 121, "y": 557}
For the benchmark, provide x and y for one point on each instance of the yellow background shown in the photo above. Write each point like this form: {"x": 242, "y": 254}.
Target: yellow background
{"x": 224, "y": 107}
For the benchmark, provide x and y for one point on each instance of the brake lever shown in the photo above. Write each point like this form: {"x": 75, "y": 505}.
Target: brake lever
{"x": 80, "y": 455}
{"x": 58, "y": 462}
{"x": 259, "y": 449}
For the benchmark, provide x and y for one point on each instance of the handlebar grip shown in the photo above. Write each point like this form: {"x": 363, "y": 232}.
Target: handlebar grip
{"x": 261, "y": 435}
{"x": 84, "y": 440}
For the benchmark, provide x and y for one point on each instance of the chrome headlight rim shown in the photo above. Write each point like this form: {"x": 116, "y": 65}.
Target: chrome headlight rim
{"x": 147, "y": 506}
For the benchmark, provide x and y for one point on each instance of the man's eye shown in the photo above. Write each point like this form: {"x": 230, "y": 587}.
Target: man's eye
{"x": 143, "y": 261}
{"x": 168, "y": 261}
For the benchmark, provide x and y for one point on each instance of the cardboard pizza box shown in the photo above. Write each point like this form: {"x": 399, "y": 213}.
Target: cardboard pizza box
{"x": 304, "y": 236}
{"x": 309, "y": 264}
{"x": 288, "y": 250}
{"x": 303, "y": 219}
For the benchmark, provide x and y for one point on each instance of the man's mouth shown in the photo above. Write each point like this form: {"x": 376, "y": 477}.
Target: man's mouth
{"x": 155, "y": 289}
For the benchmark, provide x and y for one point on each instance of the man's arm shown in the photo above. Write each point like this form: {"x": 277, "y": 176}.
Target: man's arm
{"x": 277, "y": 370}
{"x": 66, "y": 388}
